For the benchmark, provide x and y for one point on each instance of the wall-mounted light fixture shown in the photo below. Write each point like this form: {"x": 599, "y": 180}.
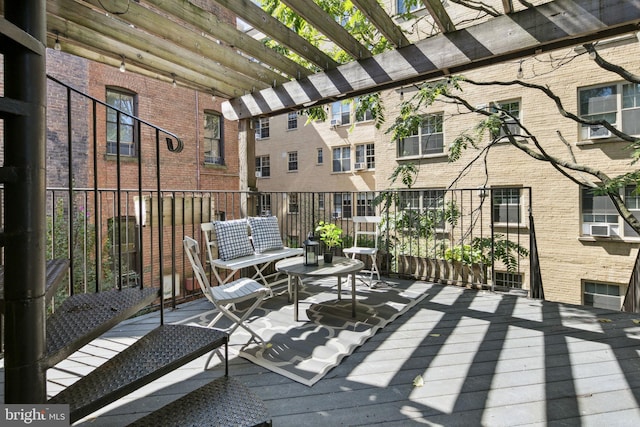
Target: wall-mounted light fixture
{"x": 122, "y": 66}
{"x": 56, "y": 45}
{"x": 173, "y": 83}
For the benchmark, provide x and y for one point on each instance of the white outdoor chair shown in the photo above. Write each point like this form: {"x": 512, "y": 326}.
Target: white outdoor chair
{"x": 224, "y": 297}
{"x": 367, "y": 227}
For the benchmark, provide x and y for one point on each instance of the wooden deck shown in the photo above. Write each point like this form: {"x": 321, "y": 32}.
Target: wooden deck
{"x": 486, "y": 359}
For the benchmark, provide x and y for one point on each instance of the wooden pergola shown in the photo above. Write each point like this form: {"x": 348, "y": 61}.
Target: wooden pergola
{"x": 192, "y": 43}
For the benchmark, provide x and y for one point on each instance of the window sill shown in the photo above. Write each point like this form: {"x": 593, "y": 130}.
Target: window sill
{"x": 215, "y": 166}
{"x": 613, "y": 239}
{"x": 123, "y": 158}
{"x": 510, "y": 225}
{"x": 587, "y": 142}
{"x": 428, "y": 156}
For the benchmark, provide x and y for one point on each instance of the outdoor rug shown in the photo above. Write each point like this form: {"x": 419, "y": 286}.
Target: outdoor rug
{"x": 306, "y": 350}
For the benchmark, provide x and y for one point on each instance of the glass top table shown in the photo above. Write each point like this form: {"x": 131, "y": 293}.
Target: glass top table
{"x": 340, "y": 267}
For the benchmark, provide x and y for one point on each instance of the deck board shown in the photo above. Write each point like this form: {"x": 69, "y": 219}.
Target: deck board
{"x": 487, "y": 359}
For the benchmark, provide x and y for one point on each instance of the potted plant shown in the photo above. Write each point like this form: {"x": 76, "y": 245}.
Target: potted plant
{"x": 330, "y": 234}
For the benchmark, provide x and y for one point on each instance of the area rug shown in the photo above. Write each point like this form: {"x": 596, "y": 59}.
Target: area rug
{"x": 325, "y": 333}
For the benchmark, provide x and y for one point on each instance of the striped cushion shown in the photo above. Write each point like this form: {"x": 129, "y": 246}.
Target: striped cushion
{"x": 265, "y": 233}
{"x": 233, "y": 240}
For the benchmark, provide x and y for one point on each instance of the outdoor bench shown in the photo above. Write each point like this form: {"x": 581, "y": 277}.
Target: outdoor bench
{"x": 254, "y": 242}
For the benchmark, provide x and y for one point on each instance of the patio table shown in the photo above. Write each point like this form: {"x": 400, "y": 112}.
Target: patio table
{"x": 340, "y": 267}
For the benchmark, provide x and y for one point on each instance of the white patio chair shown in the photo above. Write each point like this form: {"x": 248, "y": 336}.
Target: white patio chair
{"x": 224, "y": 297}
{"x": 366, "y": 227}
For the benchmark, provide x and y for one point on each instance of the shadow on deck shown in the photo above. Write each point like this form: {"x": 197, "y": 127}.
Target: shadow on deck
{"x": 486, "y": 359}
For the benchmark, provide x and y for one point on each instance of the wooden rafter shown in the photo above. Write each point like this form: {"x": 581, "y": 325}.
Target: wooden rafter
{"x": 214, "y": 27}
{"x": 439, "y": 15}
{"x": 273, "y": 28}
{"x": 82, "y": 19}
{"x": 527, "y": 32}
{"x": 315, "y": 16}
{"x": 382, "y": 21}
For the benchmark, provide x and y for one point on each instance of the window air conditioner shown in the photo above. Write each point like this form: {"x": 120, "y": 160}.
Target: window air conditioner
{"x": 598, "y": 132}
{"x": 600, "y": 230}
{"x": 335, "y": 122}
{"x": 258, "y": 174}
{"x": 359, "y": 166}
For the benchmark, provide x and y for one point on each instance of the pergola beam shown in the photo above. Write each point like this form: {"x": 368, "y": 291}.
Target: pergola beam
{"x": 211, "y": 25}
{"x": 439, "y": 15}
{"x": 550, "y": 26}
{"x": 318, "y": 18}
{"x": 382, "y": 21}
{"x": 275, "y": 29}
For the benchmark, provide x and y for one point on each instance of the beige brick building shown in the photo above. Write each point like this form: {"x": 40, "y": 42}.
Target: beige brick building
{"x": 586, "y": 252}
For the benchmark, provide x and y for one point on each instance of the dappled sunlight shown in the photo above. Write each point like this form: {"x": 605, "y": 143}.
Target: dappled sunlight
{"x": 579, "y": 318}
{"x": 447, "y": 373}
{"x": 387, "y": 370}
{"x": 486, "y": 302}
{"x": 528, "y": 309}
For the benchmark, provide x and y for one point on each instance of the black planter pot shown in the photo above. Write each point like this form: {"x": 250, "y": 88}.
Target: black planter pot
{"x": 328, "y": 257}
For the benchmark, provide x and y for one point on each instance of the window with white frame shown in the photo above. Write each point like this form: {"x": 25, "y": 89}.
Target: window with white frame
{"x": 262, "y": 127}
{"x": 321, "y": 201}
{"x": 509, "y": 280}
{"x": 510, "y": 113}
{"x": 616, "y": 103}
{"x": 292, "y": 163}
{"x": 506, "y": 205}
{"x": 263, "y": 167}
{"x": 365, "y": 156}
{"x": 362, "y": 116}
{"x": 340, "y": 113}
{"x": 416, "y": 206}
{"x": 292, "y": 121}
{"x": 320, "y": 156}
{"x": 264, "y": 204}
{"x": 213, "y": 146}
{"x": 364, "y": 204}
{"x": 401, "y": 6}
{"x": 427, "y": 140}
{"x": 600, "y": 217}
{"x": 121, "y": 123}
{"x": 602, "y": 295}
{"x": 341, "y": 205}
{"x": 293, "y": 202}
{"x": 342, "y": 159}
{"x": 433, "y": 205}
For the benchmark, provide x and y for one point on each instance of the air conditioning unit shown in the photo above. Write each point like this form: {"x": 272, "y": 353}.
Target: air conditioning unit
{"x": 258, "y": 174}
{"x": 335, "y": 122}
{"x": 359, "y": 166}
{"x": 600, "y": 230}
{"x": 598, "y": 132}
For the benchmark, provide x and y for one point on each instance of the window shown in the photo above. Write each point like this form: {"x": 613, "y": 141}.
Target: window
{"x": 293, "y": 202}
{"x": 600, "y": 217}
{"x": 342, "y": 159}
{"x": 510, "y": 112}
{"x": 341, "y": 205}
{"x": 293, "y": 161}
{"x": 402, "y": 7}
{"x": 340, "y": 113}
{"x": 509, "y": 280}
{"x": 602, "y": 295}
{"x": 262, "y": 128}
{"x": 618, "y": 104}
{"x": 365, "y": 156}
{"x": 292, "y": 121}
{"x": 362, "y": 116}
{"x": 121, "y": 123}
{"x": 427, "y": 140}
{"x": 321, "y": 201}
{"x": 264, "y": 205}
{"x": 263, "y": 167}
{"x": 213, "y": 148}
{"x": 428, "y": 202}
{"x": 506, "y": 205}
{"x": 433, "y": 205}
{"x": 364, "y": 204}
{"x": 320, "y": 157}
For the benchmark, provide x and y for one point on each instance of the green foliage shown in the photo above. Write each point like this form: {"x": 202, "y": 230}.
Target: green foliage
{"x": 479, "y": 251}
{"x": 330, "y": 234}
{"x": 407, "y": 172}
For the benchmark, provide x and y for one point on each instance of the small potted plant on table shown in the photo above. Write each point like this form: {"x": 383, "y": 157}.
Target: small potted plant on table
{"x": 330, "y": 234}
